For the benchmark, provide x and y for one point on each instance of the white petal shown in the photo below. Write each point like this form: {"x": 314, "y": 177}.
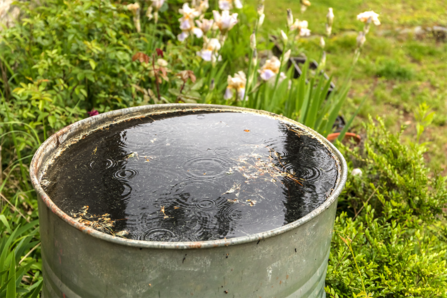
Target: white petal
{"x": 267, "y": 74}
{"x": 182, "y": 36}
{"x": 241, "y": 93}
{"x": 184, "y": 24}
{"x": 228, "y": 93}
{"x": 197, "y": 32}
{"x": 238, "y": 3}
{"x": 206, "y": 55}
{"x": 304, "y": 32}
{"x": 284, "y": 36}
{"x": 261, "y": 19}
{"x": 225, "y": 23}
{"x": 357, "y": 172}
{"x": 216, "y": 15}
{"x": 224, "y": 5}
{"x": 287, "y": 56}
{"x": 282, "y": 76}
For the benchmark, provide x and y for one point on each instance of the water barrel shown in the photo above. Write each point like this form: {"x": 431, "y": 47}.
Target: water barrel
{"x": 78, "y": 261}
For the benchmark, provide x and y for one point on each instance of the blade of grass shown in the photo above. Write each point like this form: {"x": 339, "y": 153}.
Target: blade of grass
{"x": 11, "y": 286}
{"x": 306, "y": 99}
{"x": 314, "y": 105}
{"x": 339, "y": 99}
{"x": 348, "y": 124}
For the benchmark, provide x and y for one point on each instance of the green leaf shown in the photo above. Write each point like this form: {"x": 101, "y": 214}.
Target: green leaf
{"x": 52, "y": 120}
{"x": 348, "y": 124}
{"x": 5, "y": 222}
{"x": 11, "y": 286}
{"x": 92, "y": 63}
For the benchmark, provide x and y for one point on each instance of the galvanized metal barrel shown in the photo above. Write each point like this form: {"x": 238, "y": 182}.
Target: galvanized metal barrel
{"x": 78, "y": 261}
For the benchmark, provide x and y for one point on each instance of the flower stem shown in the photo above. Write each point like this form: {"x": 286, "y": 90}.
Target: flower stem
{"x": 157, "y": 85}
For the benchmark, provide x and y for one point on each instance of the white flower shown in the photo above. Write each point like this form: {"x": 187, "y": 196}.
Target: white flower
{"x": 225, "y": 21}
{"x": 238, "y": 4}
{"x": 187, "y": 20}
{"x": 357, "y": 172}
{"x": 261, "y": 8}
{"x": 253, "y": 41}
{"x": 185, "y": 34}
{"x": 322, "y": 43}
{"x": 254, "y": 58}
{"x": 289, "y": 17}
{"x": 284, "y": 36}
{"x": 237, "y": 83}
{"x": 228, "y": 4}
{"x": 330, "y": 16}
{"x": 187, "y": 23}
{"x": 328, "y": 30}
{"x": 134, "y": 8}
{"x": 305, "y": 2}
{"x": 210, "y": 49}
{"x": 361, "y": 39}
{"x": 162, "y": 62}
{"x": 203, "y": 6}
{"x": 270, "y": 68}
{"x": 205, "y": 25}
{"x": 152, "y": 10}
{"x": 261, "y": 19}
{"x": 304, "y": 32}
{"x": 157, "y": 4}
{"x": 364, "y": 16}
{"x": 225, "y": 4}
{"x": 299, "y": 25}
{"x": 287, "y": 55}
{"x": 182, "y": 36}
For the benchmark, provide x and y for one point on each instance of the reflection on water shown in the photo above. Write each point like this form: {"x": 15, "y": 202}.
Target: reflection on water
{"x": 189, "y": 177}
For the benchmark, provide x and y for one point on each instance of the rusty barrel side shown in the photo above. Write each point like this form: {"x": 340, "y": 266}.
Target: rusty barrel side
{"x": 287, "y": 262}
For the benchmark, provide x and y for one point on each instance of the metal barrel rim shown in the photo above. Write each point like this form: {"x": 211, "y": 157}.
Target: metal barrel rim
{"x": 51, "y": 144}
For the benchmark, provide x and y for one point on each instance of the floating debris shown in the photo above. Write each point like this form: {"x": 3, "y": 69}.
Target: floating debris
{"x": 251, "y": 202}
{"x": 233, "y": 189}
{"x": 132, "y": 155}
{"x": 149, "y": 158}
{"x": 101, "y": 223}
{"x": 163, "y": 210}
{"x": 122, "y": 233}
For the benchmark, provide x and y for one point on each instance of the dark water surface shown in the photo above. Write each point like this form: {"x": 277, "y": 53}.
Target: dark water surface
{"x": 190, "y": 177}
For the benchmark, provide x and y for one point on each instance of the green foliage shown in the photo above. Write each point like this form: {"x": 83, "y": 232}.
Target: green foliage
{"x": 391, "y": 69}
{"x": 67, "y": 57}
{"x": 303, "y": 99}
{"x": 418, "y": 51}
{"x": 392, "y": 218}
{"x": 19, "y": 271}
{"x": 423, "y": 119}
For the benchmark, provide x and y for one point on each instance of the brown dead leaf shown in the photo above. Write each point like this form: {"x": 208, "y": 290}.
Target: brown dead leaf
{"x": 142, "y": 57}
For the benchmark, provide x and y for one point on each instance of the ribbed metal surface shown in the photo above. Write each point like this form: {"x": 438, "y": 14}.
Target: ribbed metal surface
{"x": 78, "y": 261}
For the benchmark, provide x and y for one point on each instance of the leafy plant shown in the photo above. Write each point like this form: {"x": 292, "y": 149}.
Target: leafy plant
{"x": 391, "y": 220}
{"x": 19, "y": 271}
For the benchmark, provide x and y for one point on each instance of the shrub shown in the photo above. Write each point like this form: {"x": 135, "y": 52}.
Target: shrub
{"x": 391, "y": 218}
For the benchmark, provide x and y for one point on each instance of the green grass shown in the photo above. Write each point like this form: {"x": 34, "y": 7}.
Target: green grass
{"x": 395, "y": 72}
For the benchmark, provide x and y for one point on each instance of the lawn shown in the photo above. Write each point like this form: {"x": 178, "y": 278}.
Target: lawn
{"x": 396, "y": 71}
